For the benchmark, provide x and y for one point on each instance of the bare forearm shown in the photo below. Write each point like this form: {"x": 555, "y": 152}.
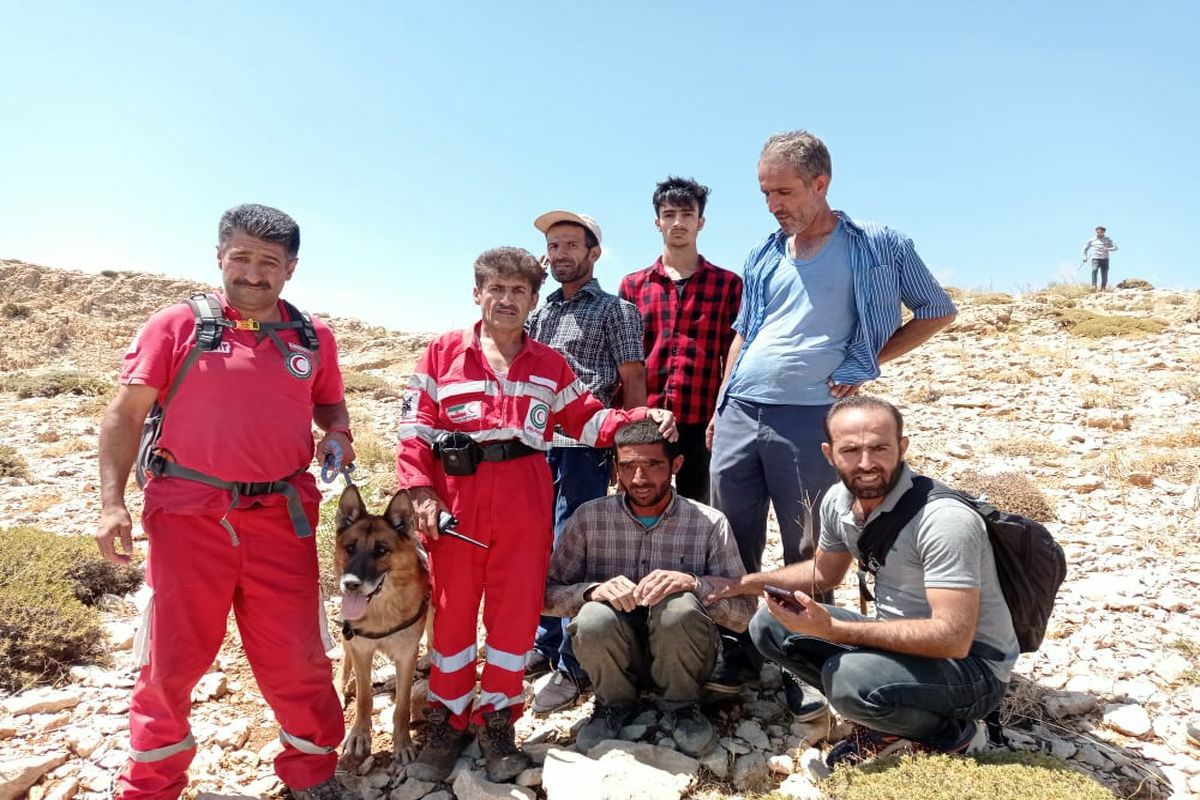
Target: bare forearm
{"x": 735, "y": 347}
{"x": 333, "y": 416}
{"x": 912, "y": 335}
{"x": 633, "y": 385}
{"x": 928, "y": 638}
{"x": 119, "y": 437}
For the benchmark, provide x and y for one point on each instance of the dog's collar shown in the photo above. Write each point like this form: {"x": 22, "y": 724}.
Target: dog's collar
{"x": 349, "y": 632}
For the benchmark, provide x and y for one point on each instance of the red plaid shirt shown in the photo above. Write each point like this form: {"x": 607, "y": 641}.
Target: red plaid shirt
{"x": 686, "y": 338}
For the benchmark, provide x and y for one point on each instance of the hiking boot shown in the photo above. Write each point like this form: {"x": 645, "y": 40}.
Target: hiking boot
{"x": 691, "y": 730}
{"x": 502, "y": 759}
{"x": 864, "y": 744}
{"x": 329, "y": 789}
{"x": 561, "y": 691}
{"x": 606, "y": 723}
{"x": 805, "y": 702}
{"x": 729, "y": 676}
{"x": 443, "y": 744}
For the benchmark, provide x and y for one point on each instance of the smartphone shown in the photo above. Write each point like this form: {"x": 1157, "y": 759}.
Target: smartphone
{"x": 784, "y": 598}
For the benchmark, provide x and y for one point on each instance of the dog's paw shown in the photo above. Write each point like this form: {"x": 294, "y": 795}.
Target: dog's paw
{"x": 404, "y": 752}
{"x": 358, "y": 743}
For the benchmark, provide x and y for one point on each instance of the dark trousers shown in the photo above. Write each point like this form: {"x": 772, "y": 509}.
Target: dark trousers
{"x": 768, "y": 455}
{"x": 1100, "y": 265}
{"x": 692, "y": 479}
{"x": 580, "y": 474}
{"x": 926, "y": 700}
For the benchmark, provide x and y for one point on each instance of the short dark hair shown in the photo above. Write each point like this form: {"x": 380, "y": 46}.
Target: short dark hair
{"x": 645, "y": 431}
{"x": 804, "y": 151}
{"x": 261, "y": 222}
{"x": 863, "y": 401}
{"x": 681, "y": 192}
{"x": 589, "y": 238}
{"x": 1102, "y": 228}
{"x": 509, "y": 262}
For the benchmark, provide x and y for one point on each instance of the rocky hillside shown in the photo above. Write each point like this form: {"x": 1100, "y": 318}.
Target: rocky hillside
{"x": 1070, "y": 406}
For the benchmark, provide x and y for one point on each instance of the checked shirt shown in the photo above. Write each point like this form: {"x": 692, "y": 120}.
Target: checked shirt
{"x": 596, "y": 332}
{"x": 686, "y": 337}
{"x": 603, "y": 539}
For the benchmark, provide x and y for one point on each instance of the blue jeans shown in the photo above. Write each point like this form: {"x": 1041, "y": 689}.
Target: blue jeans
{"x": 926, "y": 700}
{"x": 580, "y": 474}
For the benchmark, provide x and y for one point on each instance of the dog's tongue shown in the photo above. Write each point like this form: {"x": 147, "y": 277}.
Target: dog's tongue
{"x": 354, "y": 605}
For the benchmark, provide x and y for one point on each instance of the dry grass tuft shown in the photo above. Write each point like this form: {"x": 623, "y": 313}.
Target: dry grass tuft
{"x": 12, "y": 465}
{"x": 1090, "y": 325}
{"x": 1010, "y": 491}
{"x": 65, "y": 447}
{"x": 1013, "y": 375}
{"x": 55, "y": 382}
{"x": 358, "y": 382}
{"x": 991, "y": 299}
{"x": 1029, "y": 447}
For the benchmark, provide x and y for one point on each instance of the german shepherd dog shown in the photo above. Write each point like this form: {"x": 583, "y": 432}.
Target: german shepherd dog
{"x": 384, "y": 577}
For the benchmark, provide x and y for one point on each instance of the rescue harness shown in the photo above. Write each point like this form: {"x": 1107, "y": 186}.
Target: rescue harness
{"x": 153, "y": 461}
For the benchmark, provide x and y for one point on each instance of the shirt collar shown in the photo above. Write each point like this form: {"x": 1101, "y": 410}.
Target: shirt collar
{"x": 592, "y": 288}
{"x": 845, "y": 500}
{"x": 666, "y": 512}
{"x": 659, "y": 269}
{"x": 780, "y": 238}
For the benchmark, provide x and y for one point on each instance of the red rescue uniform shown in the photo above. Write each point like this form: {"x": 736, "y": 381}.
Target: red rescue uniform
{"x": 243, "y": 413}
{"x": 505, "y": 504}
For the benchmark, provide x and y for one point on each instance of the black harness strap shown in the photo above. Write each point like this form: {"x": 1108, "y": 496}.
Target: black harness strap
{"x": 349, "y": 632}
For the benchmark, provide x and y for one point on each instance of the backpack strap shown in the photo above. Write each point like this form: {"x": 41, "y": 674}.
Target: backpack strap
{"x": 880, "y": 533}
{"x": 302, "y": 322}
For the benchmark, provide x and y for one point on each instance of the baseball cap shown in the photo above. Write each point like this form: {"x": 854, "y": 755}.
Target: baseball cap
{"x": 552, "y": 218}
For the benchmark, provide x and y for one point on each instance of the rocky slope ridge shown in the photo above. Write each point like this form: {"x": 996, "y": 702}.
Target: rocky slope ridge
{"x": 1104, "y": 428}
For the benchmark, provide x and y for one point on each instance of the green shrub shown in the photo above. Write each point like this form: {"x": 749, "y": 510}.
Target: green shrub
{"x": 11, "y": 463}
{"x": 48, "y": 584}
{"x": 55, "y": 382}
{"x": 998, "y": 775}
{"x": 1090, "y": 325}
{"x": 364, "y": 383}
{"x": 1009, "y": 491}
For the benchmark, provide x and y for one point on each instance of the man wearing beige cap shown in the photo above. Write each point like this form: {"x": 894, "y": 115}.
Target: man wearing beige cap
{"x": 601, "y": 337}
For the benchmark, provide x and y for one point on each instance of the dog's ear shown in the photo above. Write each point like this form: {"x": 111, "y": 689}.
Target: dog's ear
{"x": 350, "y": 508}
{"x": 400, "y": 512}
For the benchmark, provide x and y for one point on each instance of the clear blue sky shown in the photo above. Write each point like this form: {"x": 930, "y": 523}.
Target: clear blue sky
{"x": 408, "y": 138}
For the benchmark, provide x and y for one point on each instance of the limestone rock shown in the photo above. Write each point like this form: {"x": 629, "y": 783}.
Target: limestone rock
{"x": 41, "y": 701}
{"x": 411, "y": 789}
{"x": 616, "y": 770}
{"x": 1130, "y": 719}
{"x": 750, "y": 772}
{"x": 474, "y": 786}
{"x": 800, "y": 787}
{"x": 18, "y": 774}
{"x": 1068, "y": 704}
{"x": 781, "y": 765}
{"x": 210, "y": 687}
{"x": 717, "y": 762}
{"x": 751, "y": 732}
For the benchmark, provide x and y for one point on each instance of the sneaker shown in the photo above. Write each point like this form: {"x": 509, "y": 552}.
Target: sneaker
{"x": 606, "y": 723}
{"x": 805, "y": 702}
{"x": 864, "y": 744}
{"x": 443, "y": 745}
{"x": 727, "y": 678}
{"x": 536, "y": 664}
{"x": 974, "y": 739}
{"x": 561, "y": 691}
{"x": 503, "y": 760}
{"x": 329, "y": 789}
{"x": 691, "y": 730}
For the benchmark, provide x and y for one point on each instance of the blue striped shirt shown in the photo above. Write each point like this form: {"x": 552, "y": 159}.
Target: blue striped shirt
{"x": 887, "y": 273}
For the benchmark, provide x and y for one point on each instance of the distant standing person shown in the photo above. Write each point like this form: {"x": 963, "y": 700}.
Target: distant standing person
{"x": 1097, "y": 249}
{"x": 600, "y": 335}
{"x": 820, "y": 313}
{"x": 688, "y": 306}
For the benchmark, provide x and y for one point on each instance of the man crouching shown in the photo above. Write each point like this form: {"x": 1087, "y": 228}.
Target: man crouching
{"x": 631, "y": 569}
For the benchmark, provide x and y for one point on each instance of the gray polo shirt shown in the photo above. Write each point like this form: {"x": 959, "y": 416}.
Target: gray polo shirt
{"x": 945, "y": 546}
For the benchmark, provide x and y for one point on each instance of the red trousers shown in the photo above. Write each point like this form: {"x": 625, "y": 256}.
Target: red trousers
{"x": 269, "y": 579}
{"x": 507, "y": 505}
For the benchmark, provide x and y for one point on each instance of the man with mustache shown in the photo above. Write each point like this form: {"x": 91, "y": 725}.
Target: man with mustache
{"x": 631, "y": 570}
{"x": 937, "y": 656}
{"x": 820, "y": 312}
{"x": 230, "y": 508}
{"x": 600, "y": 335}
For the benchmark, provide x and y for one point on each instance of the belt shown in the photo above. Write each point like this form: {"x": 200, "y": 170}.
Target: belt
{"x": 506, "y": 451}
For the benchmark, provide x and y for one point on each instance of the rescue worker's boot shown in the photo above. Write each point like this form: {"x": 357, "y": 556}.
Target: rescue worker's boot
{"x": 503, "y": 760}
{"x": 443, "y": 744}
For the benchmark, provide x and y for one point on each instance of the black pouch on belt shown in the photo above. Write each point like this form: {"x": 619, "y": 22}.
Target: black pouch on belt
{"x": 459, "y": 453}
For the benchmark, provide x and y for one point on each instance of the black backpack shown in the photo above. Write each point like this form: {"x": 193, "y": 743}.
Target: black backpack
{"x": 1031, "y": 566}
{"x": 210, "y": 327}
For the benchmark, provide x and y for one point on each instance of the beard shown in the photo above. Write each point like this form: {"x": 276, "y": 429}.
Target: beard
{"x": 875, "y": 489}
